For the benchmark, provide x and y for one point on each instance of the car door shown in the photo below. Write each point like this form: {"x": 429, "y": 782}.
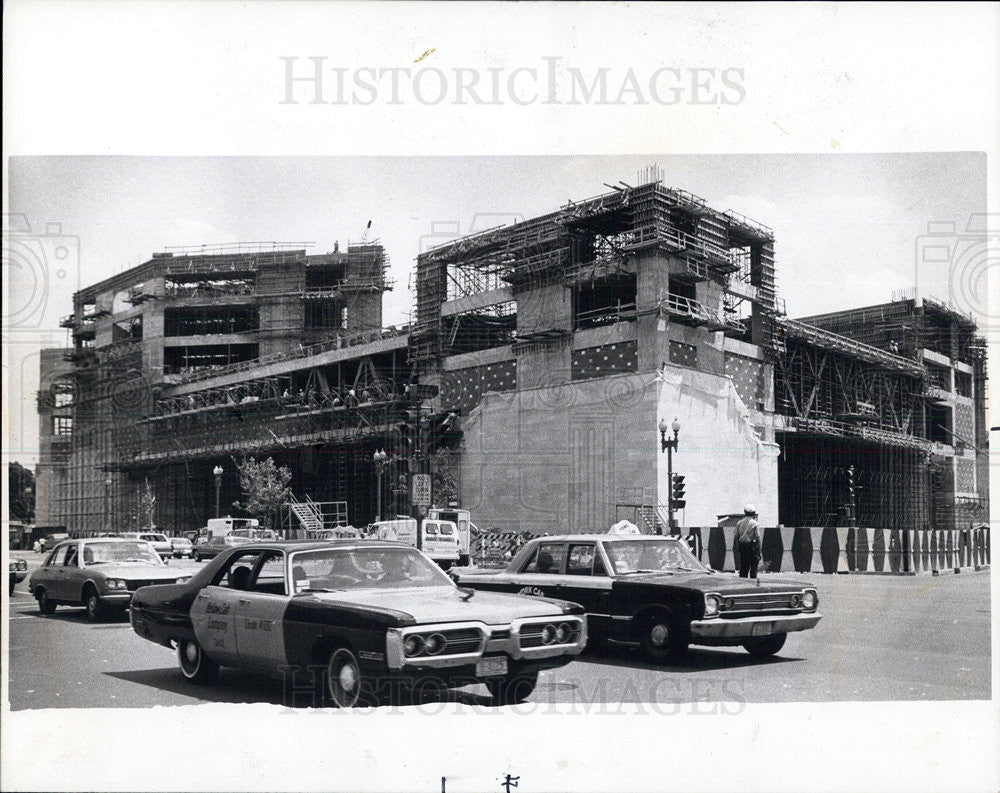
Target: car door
{"x": 54, "y": 578}
{"x": 214, "y": 613}
{"x": 587, "y": 582}
{"x": 72, "y": 578}
{"x": 542, "y": 574}
{"x": 259, "y": 613}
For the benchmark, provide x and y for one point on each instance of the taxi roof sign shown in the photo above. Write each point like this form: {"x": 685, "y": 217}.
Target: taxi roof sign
{"x": 624, "y": 527}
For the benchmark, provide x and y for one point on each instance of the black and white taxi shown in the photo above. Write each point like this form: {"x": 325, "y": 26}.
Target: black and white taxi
{"x": 651, "y": 592}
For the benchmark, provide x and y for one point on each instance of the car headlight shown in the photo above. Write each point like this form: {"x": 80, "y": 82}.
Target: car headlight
{"x": 114, "y": 583}
{"x": 712, "y": 603}
{"x": 548, "y": 634}
{"x": 434, "y": 644}
{"x": 810, "y": 600}
{"x": 412, "y": 645}
{"x": 13, "y": 566}
{"x": 562, "y": 632}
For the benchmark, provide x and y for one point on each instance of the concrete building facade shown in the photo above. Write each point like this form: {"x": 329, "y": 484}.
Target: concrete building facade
{"x": 539, "y": 362}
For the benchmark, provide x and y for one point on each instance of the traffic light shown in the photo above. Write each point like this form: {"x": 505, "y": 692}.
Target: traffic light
{"x": 849, "y": 484}
{"x": 677, "y": 491}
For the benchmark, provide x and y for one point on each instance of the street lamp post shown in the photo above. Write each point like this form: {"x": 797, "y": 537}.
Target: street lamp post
{"x": 669, "y": 445}
{"x": 218, "y": 485}
{"x": 381, "y": 460}
{"x": 107, "y": 503}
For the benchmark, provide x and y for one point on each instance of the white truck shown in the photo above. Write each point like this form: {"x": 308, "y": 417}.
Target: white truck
{"x": 439, "y": 539}
{"x": 462, "y": 519}
{"x": 239, "y": 527}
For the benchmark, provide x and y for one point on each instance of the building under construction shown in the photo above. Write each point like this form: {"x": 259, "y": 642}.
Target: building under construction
{"x": 531, "y": 383}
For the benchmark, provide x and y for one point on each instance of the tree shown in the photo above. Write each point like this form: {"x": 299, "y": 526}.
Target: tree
{"x": 265, "y": 488}
{"x": 444, "y": 477}
{"x": 21, "y": 495}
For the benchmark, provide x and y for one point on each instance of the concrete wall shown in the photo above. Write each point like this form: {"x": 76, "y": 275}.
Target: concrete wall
{"x": 724, "y": 462}
{"x": 557, "y": 458}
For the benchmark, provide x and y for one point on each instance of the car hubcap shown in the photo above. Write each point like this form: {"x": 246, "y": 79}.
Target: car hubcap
{"x": 348, "y": 678}
{"x": 191, "y": 652}
{"x": 658, "y": 635}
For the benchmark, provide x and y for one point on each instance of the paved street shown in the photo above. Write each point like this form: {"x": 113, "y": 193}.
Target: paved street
{"x": 881, "y": 638}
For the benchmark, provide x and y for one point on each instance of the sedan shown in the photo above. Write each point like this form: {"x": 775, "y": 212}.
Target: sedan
{"x": 209, "y": 547}
{"x": 652, "y": 593}
{"x": 350, "y": 617}
{"x": 181, "y": 547}
{"x": 99, "y": 574}
{"x": 18, "y": 572}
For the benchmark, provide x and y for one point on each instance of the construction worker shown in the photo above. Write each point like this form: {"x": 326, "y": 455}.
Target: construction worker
{"x": 748, "y": 542}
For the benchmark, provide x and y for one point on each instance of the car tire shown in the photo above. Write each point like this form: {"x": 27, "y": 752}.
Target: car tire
{"x": 12, "y": 583}
{"x": 196, "y": 667}
{"x": 45, "y": 605}
{"x": 96, "y": 610}
{"x": 662, "y": 638}
{"x": 512, "y": 688}
{"x": 765, "y": 645}
{"x": 343, "y": 684}
{"x": 196, "y": 556}
{"x": 463, "y": 560}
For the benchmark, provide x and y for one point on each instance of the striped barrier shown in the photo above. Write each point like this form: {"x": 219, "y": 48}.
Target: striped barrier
{"x": 850, "y": 550}
{"x": 810, "y": 549}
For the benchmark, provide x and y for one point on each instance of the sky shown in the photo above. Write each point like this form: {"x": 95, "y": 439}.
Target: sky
{"x": 847, "y": 227}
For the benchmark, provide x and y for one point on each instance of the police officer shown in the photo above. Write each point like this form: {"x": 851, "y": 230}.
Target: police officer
{"x": 748, "y": 542}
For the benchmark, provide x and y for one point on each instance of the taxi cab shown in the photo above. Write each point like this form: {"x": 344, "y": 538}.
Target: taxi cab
{"x": 652, "y": 593}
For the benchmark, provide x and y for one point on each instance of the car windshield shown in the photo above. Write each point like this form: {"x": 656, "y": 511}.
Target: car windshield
{"x": 651, "y": 556}
{"x": 153, "y": 537}
{"x": 333, "y": 569}
{"x": 106, "y": 552}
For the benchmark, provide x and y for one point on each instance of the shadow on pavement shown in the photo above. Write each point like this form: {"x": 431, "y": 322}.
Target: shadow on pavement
{"x": 235, "y": 686}
{"x": 698, "y": 659}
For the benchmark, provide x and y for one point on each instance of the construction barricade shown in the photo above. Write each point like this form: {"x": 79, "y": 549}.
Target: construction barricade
{"x": 844, "y": 549}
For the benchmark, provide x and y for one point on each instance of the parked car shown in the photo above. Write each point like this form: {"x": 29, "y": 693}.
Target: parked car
{"x": 181, "y": 547}
{"x": 651, "y": 592}
{"x": 364, "y": 613}
{"x": 159, "y": 541}
{"x": 100, "y": 574}
{"x": 50, "y": 541}
{"x": 209, "y": 547}
{"x": 18, "y": 572}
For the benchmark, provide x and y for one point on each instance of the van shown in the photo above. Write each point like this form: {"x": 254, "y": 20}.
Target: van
{"x": 462, "y": 519}
{"x": 221, "y": 527}
{"x": 439, "y": 539}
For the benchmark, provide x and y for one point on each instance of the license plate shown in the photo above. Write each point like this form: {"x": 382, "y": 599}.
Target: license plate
{"x": 491, "y": 667}
{"x": 762, "y": 629}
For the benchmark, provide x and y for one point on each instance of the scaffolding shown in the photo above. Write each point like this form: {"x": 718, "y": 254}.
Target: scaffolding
{"x": 907, "y": 325}
{"x": 887, "y": 487}
{"x": 596, "y": 239}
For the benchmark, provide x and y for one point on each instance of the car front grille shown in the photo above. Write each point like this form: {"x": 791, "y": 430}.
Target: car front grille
{"x": 134, "y": 585}
{"x": 461, "y": 640}
{"x": 767, "y": 601}
{"x": 531, "y": 633}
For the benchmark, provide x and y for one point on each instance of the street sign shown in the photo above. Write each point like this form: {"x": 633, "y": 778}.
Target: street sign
{"x": 422, "y": 490}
